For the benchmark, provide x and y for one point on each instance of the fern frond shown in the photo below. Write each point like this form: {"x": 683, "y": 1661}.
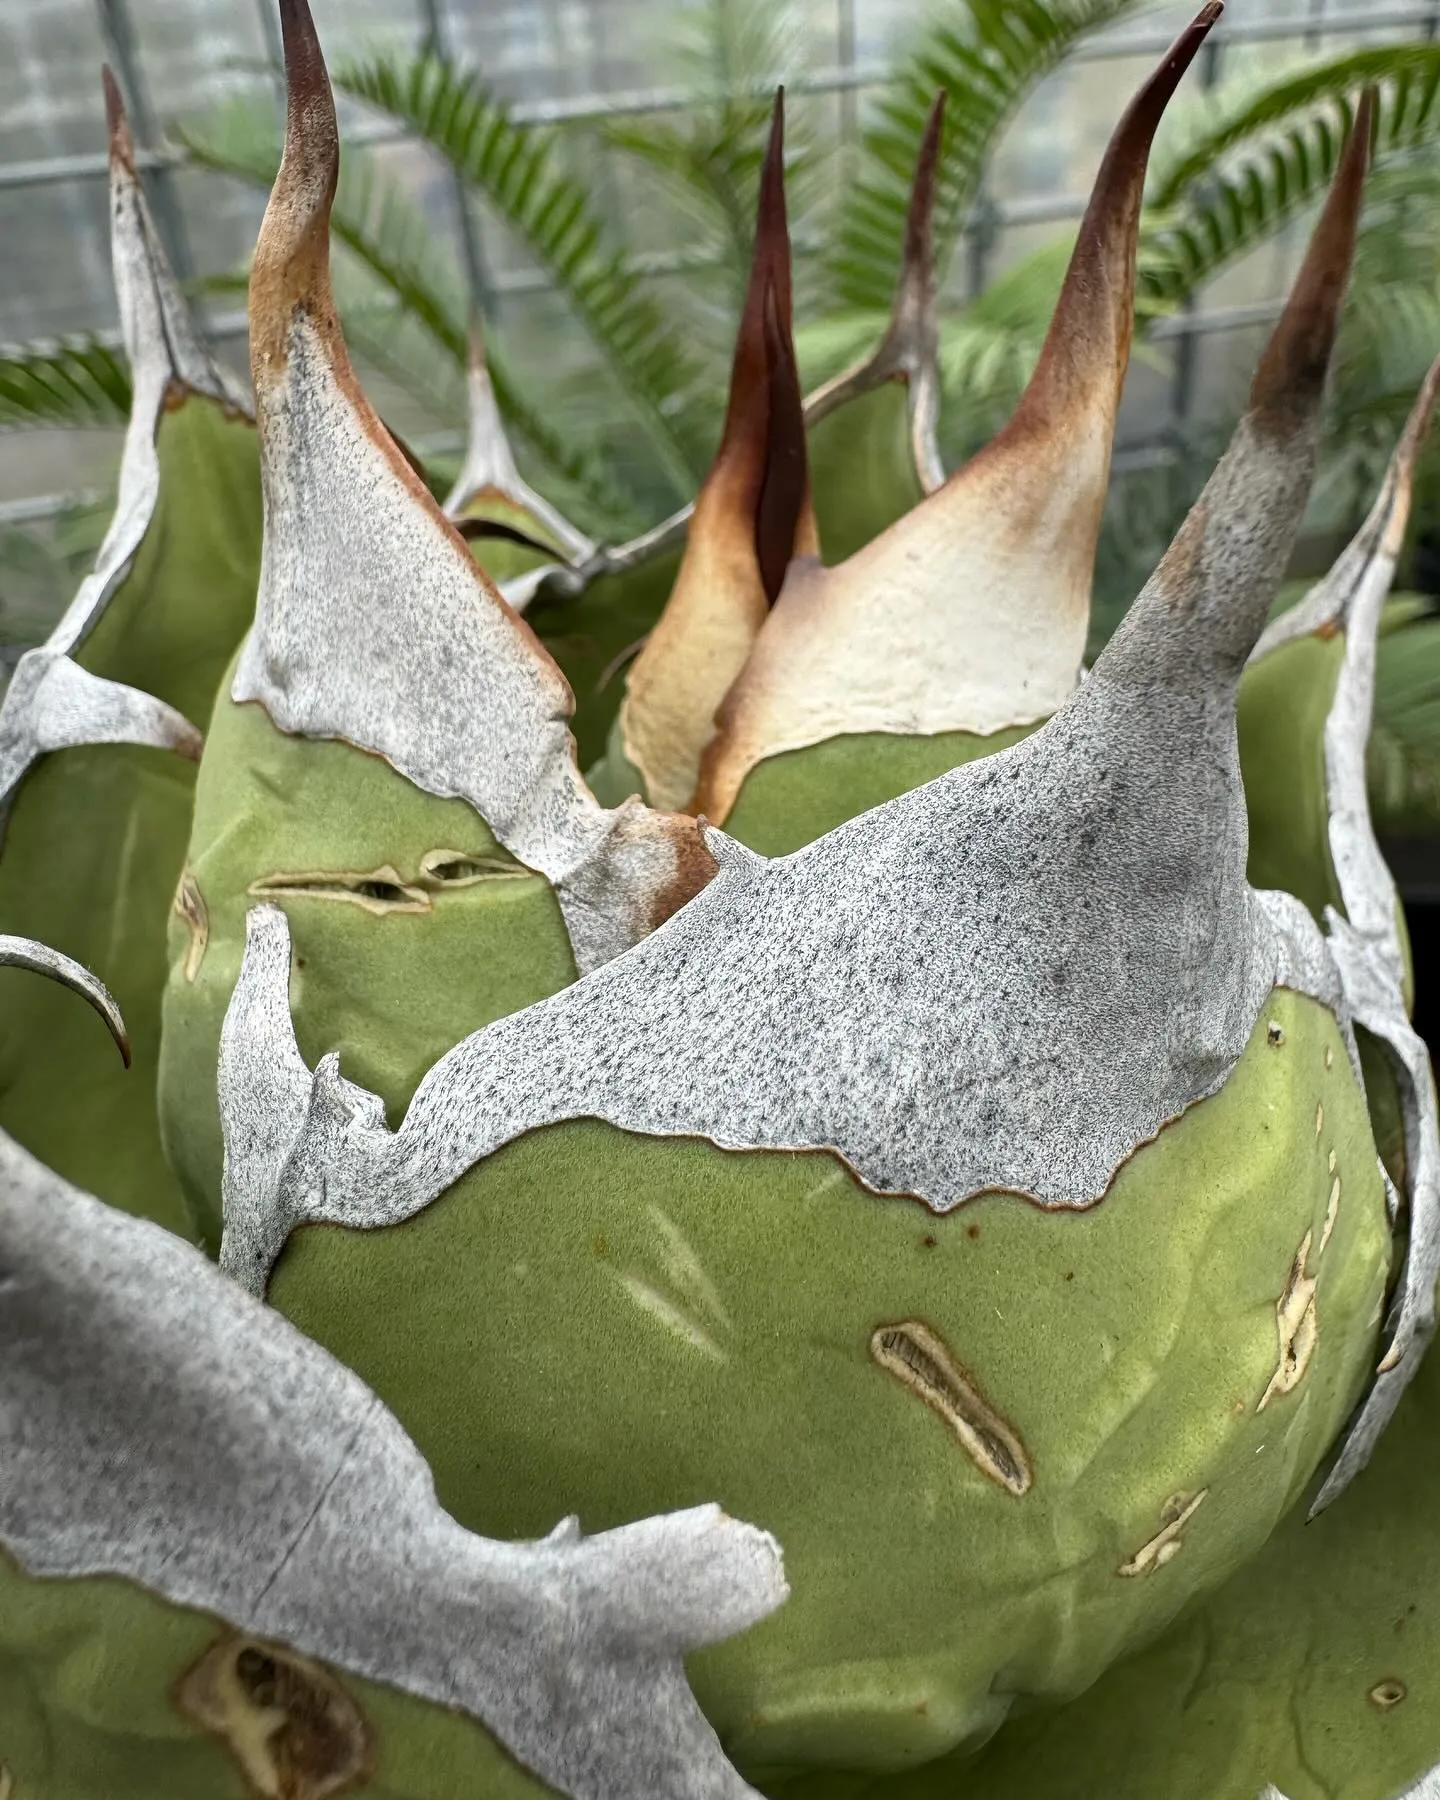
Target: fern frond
{"x": 72, "y": 381}
{"x": 1260, "y": 167}
{"x": 374, "y": 217}
{"x": 1408, "y": 75}
{"x": 516, "y": 171}
{"x": 987, "y": 56}
{"x": 727, "y": 55}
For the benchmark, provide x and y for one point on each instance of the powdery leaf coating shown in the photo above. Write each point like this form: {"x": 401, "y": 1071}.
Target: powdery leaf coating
{"x": 373, "y": 623}
{"x": 51, "y": 702}
{"x": 160, "y": 1425}
{"x": 1365, "y": 941}
{"x": 970, "y": 613}
{"x": 942, "y": 991}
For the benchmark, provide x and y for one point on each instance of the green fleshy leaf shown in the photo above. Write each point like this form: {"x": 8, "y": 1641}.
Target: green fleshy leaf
{"x": 89, "y": 1671}
{"x": 96, "y": 836}
{"x": 1316, "y": 1667}
{"x": 592, "y": 1295}
{"x": 393, "y": 964}
{"x": 790, "y": 800}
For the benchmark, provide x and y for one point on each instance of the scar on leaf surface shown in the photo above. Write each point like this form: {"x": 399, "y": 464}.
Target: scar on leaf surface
{"x": 1295, "y": 1320}
{"x": 1332, "y": 1208}
{"x": 1169, "y": 1540}
{"x": 189, "y": 906}
{"x": 921, "y": 1359}
{"x": 293, "y": 1730}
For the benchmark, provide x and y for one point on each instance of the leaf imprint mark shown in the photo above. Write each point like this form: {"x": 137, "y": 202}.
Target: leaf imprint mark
{"x": 920, "y": 1358}
{"x": 1169, "y": 1540}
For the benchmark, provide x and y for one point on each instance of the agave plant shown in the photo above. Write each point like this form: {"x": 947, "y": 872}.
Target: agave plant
{"x": 958, "y": 1116}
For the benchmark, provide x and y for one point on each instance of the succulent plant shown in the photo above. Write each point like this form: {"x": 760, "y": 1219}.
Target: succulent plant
{"x": 959, "y": 1166}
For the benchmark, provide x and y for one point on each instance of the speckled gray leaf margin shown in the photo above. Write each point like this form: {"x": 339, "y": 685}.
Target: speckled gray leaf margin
{"x": 40, "y": 959}
{"x": 158, "y": 1424}
{"x": 373, "y": 625}
{"x": 1365, "y": 942}
{"x": 1009, "y": 978}
{"x": 51, "y": 702}
{"x": 489, "y": 467}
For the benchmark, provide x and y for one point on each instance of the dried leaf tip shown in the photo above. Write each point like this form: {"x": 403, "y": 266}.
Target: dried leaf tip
{"x": 764, "y": 431}
{"x": 760, "y": 468}
{"x": 292, "y": 257}
{"x": 1292, "y": 371}
{"x": 117, "y": 124}
{"x": 970, "y": 613}
{"x": 1201, "y": 613}
{"x": 1087, "y": 348}
{"x": 909, "y": 350}
{"x": 919, "y": 260}
{"x": 752, "y": 518}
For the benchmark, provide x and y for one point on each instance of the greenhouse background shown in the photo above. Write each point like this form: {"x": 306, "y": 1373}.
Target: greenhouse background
{"x": 618, "y": 94}
{"x": 577, "y": 63}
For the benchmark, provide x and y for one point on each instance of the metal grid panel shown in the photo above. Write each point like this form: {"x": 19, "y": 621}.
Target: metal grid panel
{"x": 553, "y": 59}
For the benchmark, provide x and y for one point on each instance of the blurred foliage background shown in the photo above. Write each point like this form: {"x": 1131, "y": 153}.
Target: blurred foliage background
{"x": 605, "y": 242}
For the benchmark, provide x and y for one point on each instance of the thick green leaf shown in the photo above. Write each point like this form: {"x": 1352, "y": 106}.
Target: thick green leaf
{"x": 89, "y": 1672}
{"x": 1316, "y": 1667}
{"x": 591, "y": 1295}
{"x": 96, "y": 837}
{"x": 411, "y": 925}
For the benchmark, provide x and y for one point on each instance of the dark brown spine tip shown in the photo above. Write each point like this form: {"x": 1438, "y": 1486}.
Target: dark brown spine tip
{"x": 920, "y": 217}
{"x": 304, "y": 59}
{"x": 1089, "y": 337}
{"x": 772, "y": 226}
{"x": 311, "y": 133}
{"x": 1119, "y": 184}
{"x": 769, "y": 274}
{"x": 291, "y": 265}
{"x": 1297, "y": 358}
{"x": 785, "y": 487}
{"x": 117, "y": 124}
{"x": 476, "y": 352}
